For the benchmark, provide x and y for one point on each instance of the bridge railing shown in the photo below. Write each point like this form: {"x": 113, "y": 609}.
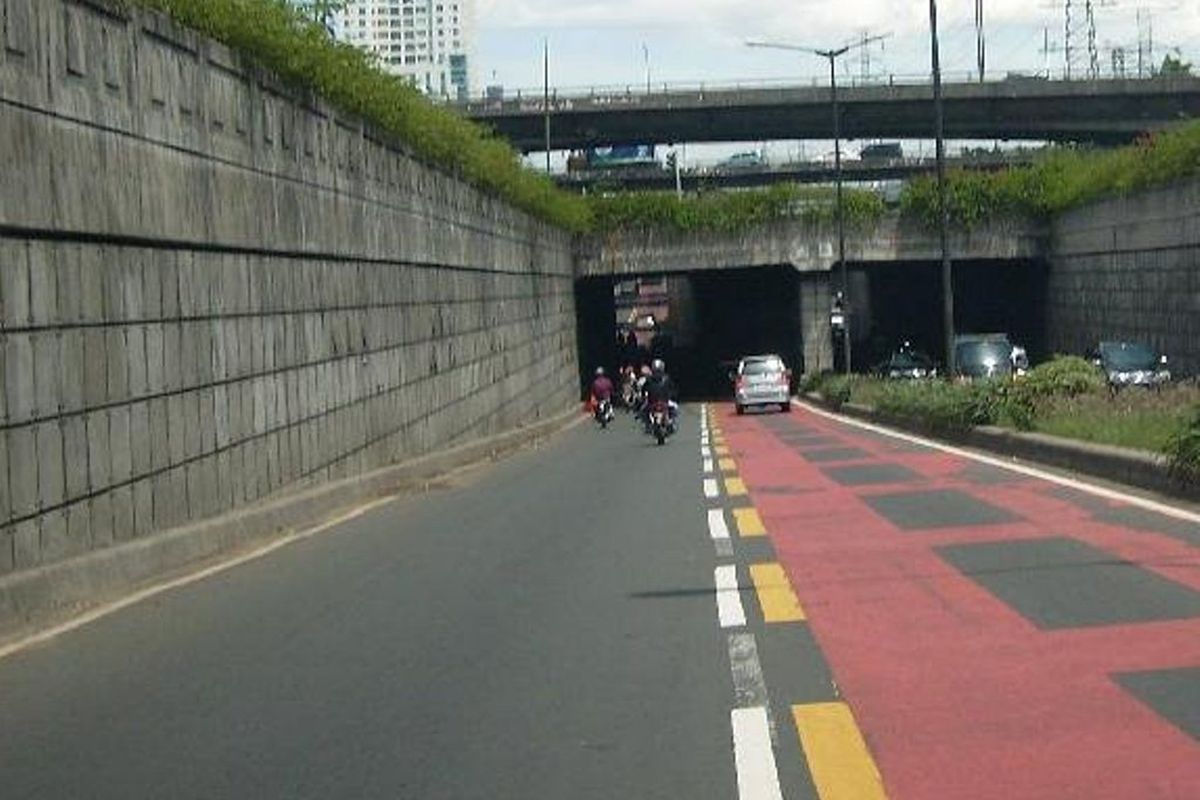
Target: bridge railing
{"x": 632, "y": 94}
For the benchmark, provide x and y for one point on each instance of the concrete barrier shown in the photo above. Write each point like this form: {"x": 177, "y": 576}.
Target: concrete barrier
{"x": 35, "y": 599}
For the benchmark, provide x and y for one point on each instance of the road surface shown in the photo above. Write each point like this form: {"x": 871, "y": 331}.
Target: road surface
{"x": 769, "y": 606}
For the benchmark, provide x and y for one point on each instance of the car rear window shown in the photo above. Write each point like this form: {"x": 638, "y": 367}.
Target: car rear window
{"x": 762, "y": 367}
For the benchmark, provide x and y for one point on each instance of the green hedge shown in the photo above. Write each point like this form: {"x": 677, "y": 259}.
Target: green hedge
{"x": 1183, "y": 450}
{"x": 729, "y": 211}
{"x": 281, "y": 39}
{"x": 1061, "y": 179}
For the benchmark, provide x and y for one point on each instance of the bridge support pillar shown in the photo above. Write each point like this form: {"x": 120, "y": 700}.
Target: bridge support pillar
{"x": 817, "y": 337}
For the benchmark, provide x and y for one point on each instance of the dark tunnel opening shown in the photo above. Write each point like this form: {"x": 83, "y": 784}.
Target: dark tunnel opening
{"x": 905, "y": 303}
{"x": 702, "y": 323}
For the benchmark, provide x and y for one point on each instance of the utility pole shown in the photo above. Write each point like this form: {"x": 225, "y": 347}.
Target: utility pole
{"x": 832, "y": 56}
{"x": 943, "y": 208}
{"x": 979, "y": 40}
{"x": 546, "y": 96}
{"x": 646, "y": 58}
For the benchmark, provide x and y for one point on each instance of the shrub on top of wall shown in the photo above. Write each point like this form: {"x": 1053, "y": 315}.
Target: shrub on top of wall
{"x": 729, "y": 211}
{"x": 275, "y": 35}
{"x": 1063, "y": 178}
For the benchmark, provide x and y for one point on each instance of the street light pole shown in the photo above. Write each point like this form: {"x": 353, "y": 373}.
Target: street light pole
{"x": 546, "y": 96}
{"x": 841, "y": 209}
{"x": 832, "y": 56}
{"x": 943, "y": 208}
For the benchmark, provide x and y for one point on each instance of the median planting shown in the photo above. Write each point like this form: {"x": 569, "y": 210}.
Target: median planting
{"x": 1065, "y": 397}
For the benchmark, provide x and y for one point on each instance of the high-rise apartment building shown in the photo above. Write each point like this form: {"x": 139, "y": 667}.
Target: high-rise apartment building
{"x": 429, "y": 41}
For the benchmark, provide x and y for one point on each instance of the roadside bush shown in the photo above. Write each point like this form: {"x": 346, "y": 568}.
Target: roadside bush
{"x": 941, "y": 406}
{"x": 1060, "y": 377}
{"x": 836, "y": 389}
{"x": 1183, "y": 450}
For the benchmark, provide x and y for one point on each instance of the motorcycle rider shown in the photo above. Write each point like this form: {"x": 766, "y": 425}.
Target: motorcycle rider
{"x": 602, "y": 388}
{"x": 660, "y": 388}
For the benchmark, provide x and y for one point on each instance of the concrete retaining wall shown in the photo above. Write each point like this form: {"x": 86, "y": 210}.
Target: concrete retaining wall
{"x": 212, "y": 289}
{"x": 1129, "y": 268}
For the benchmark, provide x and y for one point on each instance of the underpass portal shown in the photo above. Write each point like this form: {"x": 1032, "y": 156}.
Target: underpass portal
{"x": 905, "y": 304}
{"x": 699, "y": 323}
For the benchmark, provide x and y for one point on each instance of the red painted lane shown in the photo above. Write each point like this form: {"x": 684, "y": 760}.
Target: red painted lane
{"x": 958, "y": 695}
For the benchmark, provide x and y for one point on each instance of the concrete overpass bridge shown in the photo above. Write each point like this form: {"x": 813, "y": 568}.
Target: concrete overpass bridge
{"x": 771, "y": 287}
{"x": 1100, "y": 111}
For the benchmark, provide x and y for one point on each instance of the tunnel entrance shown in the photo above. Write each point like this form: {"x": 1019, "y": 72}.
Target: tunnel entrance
{"x": 905, "y": 301}
{"x": 700, "y": 323}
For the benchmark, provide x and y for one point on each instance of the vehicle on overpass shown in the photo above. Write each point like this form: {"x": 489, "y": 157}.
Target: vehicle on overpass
{"x": 747, "y": 160}
{"x": 762, "y": 380}
{"x": 881, "y": 153}
{"x": 616, "y": 158}
{"x": 1130, "y": 364}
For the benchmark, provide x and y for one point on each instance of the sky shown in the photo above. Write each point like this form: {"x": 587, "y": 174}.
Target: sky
{"x": 622, "y": 43}
{"x": 605, "y": 42}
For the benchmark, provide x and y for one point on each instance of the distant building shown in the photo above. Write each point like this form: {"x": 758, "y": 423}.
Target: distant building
{"x": 431, "y": 42}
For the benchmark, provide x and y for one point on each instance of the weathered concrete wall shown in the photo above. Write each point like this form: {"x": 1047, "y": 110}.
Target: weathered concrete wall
{"x": 807, "y": 247}
{"x": 1129, "y": 268}
{"x": 212, "y": 289}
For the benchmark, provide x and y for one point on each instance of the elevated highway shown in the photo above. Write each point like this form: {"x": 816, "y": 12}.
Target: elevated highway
{"x": 1100, "y": 111}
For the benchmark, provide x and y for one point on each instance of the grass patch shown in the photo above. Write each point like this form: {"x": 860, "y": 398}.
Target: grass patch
{"x": 279, "y": 38}
{"x": 1060, "y": 398}
{"x": 1137, "y": 418}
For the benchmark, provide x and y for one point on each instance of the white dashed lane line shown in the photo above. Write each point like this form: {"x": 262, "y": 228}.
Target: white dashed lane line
{"x": 757, "y": 776}
{"x": 730, "y": 612}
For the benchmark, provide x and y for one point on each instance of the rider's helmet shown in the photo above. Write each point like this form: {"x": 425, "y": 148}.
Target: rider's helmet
{"x": 645, "y": 370}
{"x": 657, "y": 365}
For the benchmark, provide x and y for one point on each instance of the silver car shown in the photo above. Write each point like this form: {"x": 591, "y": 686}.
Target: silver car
{"x": 762, "y": 381}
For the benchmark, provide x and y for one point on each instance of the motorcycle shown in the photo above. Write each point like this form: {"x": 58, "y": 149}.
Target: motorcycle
{"x": 661, "y": 424}
{"x": 604, "y": 413}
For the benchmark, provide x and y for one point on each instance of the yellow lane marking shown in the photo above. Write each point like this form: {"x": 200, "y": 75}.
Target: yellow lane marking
{"x": 748, "y": 522}
{"x": 735, "y": 487}
{"x": 721, "y": 450}
{"x": 838, "y": 759}
{"x": 775, "y": 595}
{"x": 727, "y": 465}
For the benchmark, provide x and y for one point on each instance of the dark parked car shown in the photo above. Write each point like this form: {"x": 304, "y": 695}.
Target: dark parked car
{"x": 988, "y": 355}
{"x": 906, "y": 364}
{"x": 1130, "y": 364}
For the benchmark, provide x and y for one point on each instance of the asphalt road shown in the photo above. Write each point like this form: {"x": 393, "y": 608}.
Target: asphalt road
{"x": 545, "y": 629}
{"x": 775, "y": 606}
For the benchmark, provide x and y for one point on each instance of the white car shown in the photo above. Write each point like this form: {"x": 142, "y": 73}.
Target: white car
{"x": 762, "y": 381}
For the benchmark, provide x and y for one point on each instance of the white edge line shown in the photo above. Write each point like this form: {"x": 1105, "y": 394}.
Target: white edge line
{"x": 708, "y": 465}
{"x": 757, "y": 776}
{"x": 716, "y": 524}
{"x": 1033, "y": 472}
{"x": 706, "y": 452}
{"x": 710, "y": 488}
{"x": 730, "y": 612}
{"x": 145, "y": 594}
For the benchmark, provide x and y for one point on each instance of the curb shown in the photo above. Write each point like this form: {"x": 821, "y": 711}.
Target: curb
{"x": 35, "y": 599}
{"x": 1137, "y": 468}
